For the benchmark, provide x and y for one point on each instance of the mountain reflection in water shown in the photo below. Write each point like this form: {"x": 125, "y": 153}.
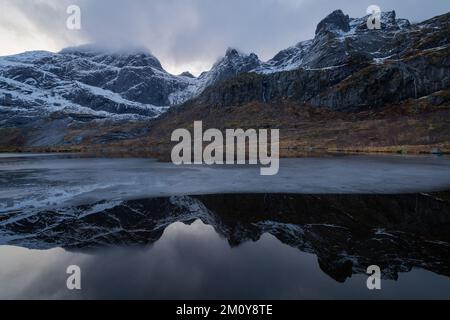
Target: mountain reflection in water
{"x": 347, "y": 233}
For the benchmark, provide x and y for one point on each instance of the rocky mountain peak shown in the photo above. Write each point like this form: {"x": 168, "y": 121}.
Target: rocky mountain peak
{"x": 335, "y": 21}
{"x": 235, "y": 55}
{"x": 187, "y": 74}
{"x": 233, "y": 63}
{"x": 389, "y": 21}
{"x": 231, "y": 52}
{"x": 389, "y": 16}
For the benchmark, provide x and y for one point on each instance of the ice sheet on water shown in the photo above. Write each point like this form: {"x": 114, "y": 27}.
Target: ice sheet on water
{"x": 48, "y": 182}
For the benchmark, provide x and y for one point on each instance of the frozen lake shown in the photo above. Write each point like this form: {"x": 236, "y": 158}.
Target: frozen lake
{"x": 40, "y": 181}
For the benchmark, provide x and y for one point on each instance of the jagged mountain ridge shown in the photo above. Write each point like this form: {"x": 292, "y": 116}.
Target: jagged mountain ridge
{"x": 134, "y": 82}
{"x": 346, "y": 67}
{"x": 346, "y": 37}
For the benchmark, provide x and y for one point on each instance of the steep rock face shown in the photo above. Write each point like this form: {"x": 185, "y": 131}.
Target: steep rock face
{"x": 297, "y": 85}
{"x": 392, "y": 82}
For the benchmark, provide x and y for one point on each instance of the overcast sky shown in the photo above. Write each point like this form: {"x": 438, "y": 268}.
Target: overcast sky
{"x": 184, "y": 34}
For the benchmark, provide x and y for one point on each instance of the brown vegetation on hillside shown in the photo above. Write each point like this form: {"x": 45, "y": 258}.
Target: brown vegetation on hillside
{"x": 414, "y": 126}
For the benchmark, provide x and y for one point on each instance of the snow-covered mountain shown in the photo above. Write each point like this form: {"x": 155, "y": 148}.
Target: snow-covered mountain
{"x": 131, "y": 84}
{"x": 93, "y": 83}
{"x": 85, "y": 80}
{"x": 232, "y": 64}
{"x": 339, "y": 40}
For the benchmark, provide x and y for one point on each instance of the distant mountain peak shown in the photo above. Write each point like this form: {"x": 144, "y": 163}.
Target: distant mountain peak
{"x": 339, "y": 23}
{"x": 336, "y": 20}
{"x": 187, "y": 74}
{"x": 233, "y": 54}
{"x": 234, "y": 62}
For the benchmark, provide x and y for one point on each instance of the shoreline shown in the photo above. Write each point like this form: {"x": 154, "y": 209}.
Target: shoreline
{"x": 285, "y": 153}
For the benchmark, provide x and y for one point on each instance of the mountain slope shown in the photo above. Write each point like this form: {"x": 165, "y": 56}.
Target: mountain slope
{"x": 81, "y": 93}
{"x": 88, "y": 80}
